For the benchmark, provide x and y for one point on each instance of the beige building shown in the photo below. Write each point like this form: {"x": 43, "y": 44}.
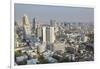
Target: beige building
{"x": 59, "y": 46}
{"x": 50, "y": 35}
{"x": 27, "y": 26}
{"x": 44, "y": 34}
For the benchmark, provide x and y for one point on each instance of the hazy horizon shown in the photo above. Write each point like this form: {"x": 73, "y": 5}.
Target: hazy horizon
{"x": 44, "y": 13}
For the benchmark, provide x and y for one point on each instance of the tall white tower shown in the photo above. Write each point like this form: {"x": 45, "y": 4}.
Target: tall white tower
{"x": 27, "y": 26}
{"x": 44, "y": 34}
{"x": 50, "y": 36}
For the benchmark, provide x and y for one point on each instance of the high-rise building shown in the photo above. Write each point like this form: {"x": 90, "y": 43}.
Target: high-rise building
{"x": 34, "y": 23}
{"x": 27, "y": 26}
{"x": 50, "y": 36}
{"x": 53, "y": 23}
{"x": 44, "y": 34}
{"x": 39, "y": 31}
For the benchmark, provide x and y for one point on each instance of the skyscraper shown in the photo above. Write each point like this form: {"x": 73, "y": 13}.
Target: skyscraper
{"x": 50, "y": 36}
{"x": 44, "y": 34}
{"x": 53, "y": 23}
{"x": 27, "y": 26}
{"x": 34, "y": 23}
{"x": 39, "y": 31}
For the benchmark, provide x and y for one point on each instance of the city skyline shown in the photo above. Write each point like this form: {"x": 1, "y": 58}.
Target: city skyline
{"x": 44, "y": 13}
{"x": 53, "y": 41}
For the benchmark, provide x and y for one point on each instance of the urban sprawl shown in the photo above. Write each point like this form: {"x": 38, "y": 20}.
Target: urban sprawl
{"x": 56, "y": 42}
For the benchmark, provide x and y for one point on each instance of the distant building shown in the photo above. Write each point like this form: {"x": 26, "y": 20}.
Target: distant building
{"x": 27, "y": 26}
{"x": 54, "y": 24}
{"x": 50, "y": 36}
{"x": 21, "y": 58}
{"x": 34, "y": 23}
{"x": 42, "y": 47}
{"x": 17, "y": 44}
{"x": 51, "y": 60}
{"x": 32, "y": 61}
{"x": 39, "y": 31}
{"x": 59, "y": 46}
{"x": 44, "y": 34}
{"x": 85, "y": 38}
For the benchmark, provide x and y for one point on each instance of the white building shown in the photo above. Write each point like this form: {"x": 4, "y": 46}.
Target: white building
{"x": 44, "y": 34}
{"x": 27, "y": 26}
{"x": 50, "y": 35}
{"x": 85, "y": 38}
{"x": 54, "y": 24}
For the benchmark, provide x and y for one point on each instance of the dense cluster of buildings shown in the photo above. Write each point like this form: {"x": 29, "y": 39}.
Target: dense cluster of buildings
{"x": 38, "y": 43}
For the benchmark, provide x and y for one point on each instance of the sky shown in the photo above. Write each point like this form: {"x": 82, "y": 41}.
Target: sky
{"x": 44, "y": 13}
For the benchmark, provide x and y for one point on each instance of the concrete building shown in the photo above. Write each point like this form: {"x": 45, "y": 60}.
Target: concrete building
{"x": 44, "y": 34}
{"x": 54, "y": 24}
{"x": 50, "y": 36}
{"x": 34, "y": 23}
{"x": 21, "y": 58}
{"x": 27, "y": 26}
{"x": 59, "y": 47}
{"x": 85, "y": 38}
{"x": 32, "y": 61}
{"x": 39, "y": 31}
{"x": 42, "y": 47}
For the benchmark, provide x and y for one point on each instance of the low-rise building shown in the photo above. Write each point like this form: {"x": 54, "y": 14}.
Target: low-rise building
{"x": 21, "y": 58}
{"x": 32, "y": 61}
